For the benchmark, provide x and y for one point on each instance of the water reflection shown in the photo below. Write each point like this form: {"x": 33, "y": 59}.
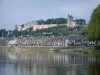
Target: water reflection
{"x": 49, "y": 64}
{"x": 33, "y": 69}
{"x": 94, "y": 67}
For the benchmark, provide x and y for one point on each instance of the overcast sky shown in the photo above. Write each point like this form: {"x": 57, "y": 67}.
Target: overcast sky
{"x": 14, "y": 12}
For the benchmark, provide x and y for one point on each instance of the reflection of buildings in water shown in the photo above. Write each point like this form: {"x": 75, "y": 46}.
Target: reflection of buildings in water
{"x": 55, "y": 64}
{"x": 33, "y": 69}
{"x": 49, "y": 64}
{"x": 48, "y": 59}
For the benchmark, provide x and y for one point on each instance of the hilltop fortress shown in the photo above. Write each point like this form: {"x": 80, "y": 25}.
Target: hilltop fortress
{"x": 35, "y": 26}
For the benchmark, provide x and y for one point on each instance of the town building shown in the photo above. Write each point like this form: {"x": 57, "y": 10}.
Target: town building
{"x": 74, "y": 40}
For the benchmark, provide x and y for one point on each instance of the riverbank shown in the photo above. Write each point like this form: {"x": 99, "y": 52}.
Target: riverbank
{"x": 89, "y": 51}
{"x": 72, "y": 50}
{"x": 41, "y": 49}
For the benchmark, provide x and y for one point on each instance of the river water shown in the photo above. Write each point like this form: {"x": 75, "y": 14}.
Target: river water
{"x": 51, "y": 63}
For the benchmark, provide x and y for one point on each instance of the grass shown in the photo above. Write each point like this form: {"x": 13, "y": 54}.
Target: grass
{"x": 33, "y": 49}
{"x": 89, "y": 51}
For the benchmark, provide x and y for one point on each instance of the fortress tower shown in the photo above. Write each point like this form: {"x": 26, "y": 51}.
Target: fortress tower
{"x": 70, "y": 20}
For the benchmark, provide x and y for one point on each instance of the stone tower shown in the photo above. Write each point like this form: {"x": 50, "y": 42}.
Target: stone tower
{"x": 70, "y": 20}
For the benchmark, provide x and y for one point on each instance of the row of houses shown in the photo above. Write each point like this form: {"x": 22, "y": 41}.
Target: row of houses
{"x": 59, "y": 41}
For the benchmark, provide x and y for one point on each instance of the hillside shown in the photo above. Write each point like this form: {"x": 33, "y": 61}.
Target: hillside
{"x": 60, "y": 30}
{"x": 57, "y": 31}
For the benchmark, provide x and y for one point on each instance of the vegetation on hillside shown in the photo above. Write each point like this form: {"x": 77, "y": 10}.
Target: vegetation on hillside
{"x": 59, "y": 30}
{"x": 53, "y": 21}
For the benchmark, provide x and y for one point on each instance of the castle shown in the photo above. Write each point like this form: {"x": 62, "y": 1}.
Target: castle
{"x": 70, "y": 23}
{"x": 73, "y": 23}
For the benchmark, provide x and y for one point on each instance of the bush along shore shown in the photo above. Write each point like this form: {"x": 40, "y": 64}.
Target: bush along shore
{"x": 89, "y": 51}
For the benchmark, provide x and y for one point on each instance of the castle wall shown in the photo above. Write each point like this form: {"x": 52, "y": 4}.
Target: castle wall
{"x": 36, "y": 27}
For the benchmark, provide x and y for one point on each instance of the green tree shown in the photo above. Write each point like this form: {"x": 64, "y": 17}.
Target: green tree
{"x": 30, "y": 31}
{"x": 16, "y": 33}
{"x": 53, "y": 21}
{"x": 24, "y": 32}
{"x": 93, "y": 31}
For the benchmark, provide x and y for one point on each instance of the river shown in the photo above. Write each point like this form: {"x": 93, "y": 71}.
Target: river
{"x": 51, "y": 63}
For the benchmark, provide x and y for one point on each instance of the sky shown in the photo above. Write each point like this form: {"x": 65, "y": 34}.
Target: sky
{"x": 16, "y": 12}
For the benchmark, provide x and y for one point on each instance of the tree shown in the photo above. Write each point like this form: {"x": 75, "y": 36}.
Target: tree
{"x": 3, "y": 33}
{"x": 53, "y": 21}
{"x": 16, "y": 33}
{"x": 24, "y": 33}
{"x": 93, "y": 31}
{"x": 30, "y": 32}
{"x": 40, "y": 21}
